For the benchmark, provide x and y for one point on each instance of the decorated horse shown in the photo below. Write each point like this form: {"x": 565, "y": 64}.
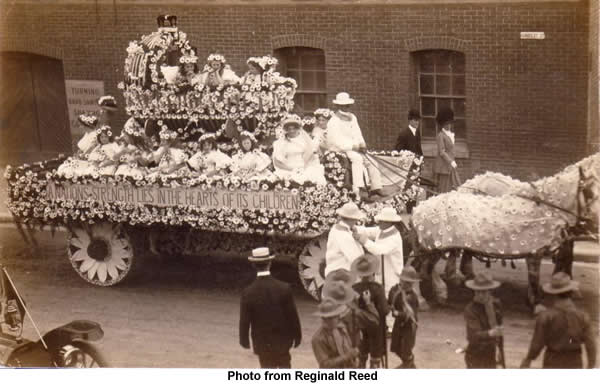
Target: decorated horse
{"x": 494, "y": 217}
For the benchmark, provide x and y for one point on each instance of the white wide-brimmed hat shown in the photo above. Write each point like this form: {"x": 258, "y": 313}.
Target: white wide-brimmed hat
{"x": 351, "y": 211}
{"x": 388, "y": 214}
{"x": 261, "y": 254}
{"x": 560, "y": 283}
{"x": 482, "y": 281}
{"x": 343, "y": 98}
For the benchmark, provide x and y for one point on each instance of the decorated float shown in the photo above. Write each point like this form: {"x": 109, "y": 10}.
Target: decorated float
{"x": 113, "y": 218}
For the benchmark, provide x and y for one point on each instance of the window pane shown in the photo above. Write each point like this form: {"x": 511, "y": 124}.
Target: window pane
{"x": 458, "y": 85}
{"x": 426, "y": 62}
{"x": 443, "y": 103}
{"x": 292, "y": 62}
{"x": 428, "y": 127}
{"x": 313, "y": 62}
{"x": 295, "y": 75}
{"x": 442, "y": 85}
{"x": 442, "y": 64}
{"x": 458, "y": 63}
{"x": 458, "y": 105}
{"x": 428, "y": 107}
{"x": 321, "y": 83}
{"x": 426, "y": 84}
{"x": 460, "y": 128}
{"x": 309, "y": 80}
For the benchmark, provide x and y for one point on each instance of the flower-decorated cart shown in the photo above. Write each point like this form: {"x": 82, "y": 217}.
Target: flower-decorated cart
{"x": 113, "y": 219}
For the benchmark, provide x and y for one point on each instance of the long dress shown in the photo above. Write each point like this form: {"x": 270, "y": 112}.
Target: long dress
{"x": 290, "y": 152}
{"x": 216, "y": 78}
{"x": 129, "y": 165}
{"x": 171, "y": 157}
{"x": 243, "y": 163}
{"x": 213, "y": 161}
{"x": 106, "y": 152}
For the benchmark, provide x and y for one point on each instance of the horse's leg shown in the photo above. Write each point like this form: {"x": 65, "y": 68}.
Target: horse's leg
{"x": 564, "y": 258}
{"x": 420, "y": 266}
{"x": 452, "y": 270}
{"x": 439, "y": 286}
{"x": 466, "y": 264}
{"x": 534, "y": 298}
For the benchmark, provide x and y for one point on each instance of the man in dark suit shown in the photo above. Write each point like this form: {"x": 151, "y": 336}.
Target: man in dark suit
{"x": 267, "y": 309}
{"x": 410, "y": 138}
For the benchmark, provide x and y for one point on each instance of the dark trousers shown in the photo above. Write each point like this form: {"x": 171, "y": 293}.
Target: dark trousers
{"x": 275, "y": 360}
{"x": 404, "y": 336}
{"x": 481, "y": 359}
{"x": 571, "y": 359}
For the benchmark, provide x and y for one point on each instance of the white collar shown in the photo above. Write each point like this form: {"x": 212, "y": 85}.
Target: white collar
{"x": 263, "y": 273}
{"x": 413, "y": 130}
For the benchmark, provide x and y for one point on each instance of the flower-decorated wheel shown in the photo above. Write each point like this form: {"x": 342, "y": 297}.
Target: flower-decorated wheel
{"x": 311, "y": 266}
{"x": 102, "y": 254}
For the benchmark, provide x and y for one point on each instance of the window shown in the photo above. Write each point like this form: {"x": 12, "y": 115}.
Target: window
{"x": 307, "y": 66}
{"x": 440, "y": 82}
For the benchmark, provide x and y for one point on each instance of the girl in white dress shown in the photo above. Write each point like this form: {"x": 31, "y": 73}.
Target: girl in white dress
{"x": 209, "y": 160}
{"x": 319, "y": 132}
{"x": 170, "y": 157}
{"x": 102, "y": 159}
{"x": 189, "y": 67}
{"x": 134, "y": 155}
{"x": 77, "y": 164}
{"x": 295, "y": 156}
{"x": 217, "y": 72}
{"x": 249, "y": 162}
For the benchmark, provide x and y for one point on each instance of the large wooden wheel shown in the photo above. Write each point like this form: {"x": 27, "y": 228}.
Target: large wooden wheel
{"x": 311, "y": 266}
{"x": 101, "y": 253}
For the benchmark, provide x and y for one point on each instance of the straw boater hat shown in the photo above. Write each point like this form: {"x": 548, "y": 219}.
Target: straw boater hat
{"x": 261, "y": 254}
{"x": 292, "y": 119}
{"x": 338, "y": 291}
{"x": 350, "y": 211}
{"x": 365, "y": 265}
{"x": 330, "y": 308}
{"x": 482, "y": 281}
{"x": 343, "y": 98}
{"x": 560, "y": 283}
{"x": 409, "y": 274}
{"x": 388, "y": 214}
{"x": 343, "y": 275}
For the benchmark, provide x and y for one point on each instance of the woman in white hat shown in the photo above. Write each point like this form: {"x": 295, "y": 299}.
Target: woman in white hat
{"x": 294, "y": 156}
{"x": 344, "y": 135}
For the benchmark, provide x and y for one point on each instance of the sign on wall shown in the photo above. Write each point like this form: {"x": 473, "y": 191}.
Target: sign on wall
{"x": 170, "y": 197}
{"x": 82, "y": 96}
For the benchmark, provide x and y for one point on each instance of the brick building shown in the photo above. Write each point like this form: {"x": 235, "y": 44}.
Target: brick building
{"x": 524, "y": 105}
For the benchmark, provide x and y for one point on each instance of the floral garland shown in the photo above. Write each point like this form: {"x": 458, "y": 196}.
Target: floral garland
{"x": 28, "y": 201}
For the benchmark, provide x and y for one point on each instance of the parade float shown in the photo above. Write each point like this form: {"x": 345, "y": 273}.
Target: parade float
{"x": 113, "y": 220}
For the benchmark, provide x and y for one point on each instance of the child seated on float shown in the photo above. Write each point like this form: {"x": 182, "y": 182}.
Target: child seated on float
{"x": 217, "y": 72}
{"x": 134, "y": 155}
{"x": 102, "y": 159}
{"x": 189, "y": 69}
{"x": 77, "y": 164}
{"x": 249, "y": 162}
{"x": 294, "y": 155}
{"x": 170, "y": 157}
{"x": 209, "y": 161}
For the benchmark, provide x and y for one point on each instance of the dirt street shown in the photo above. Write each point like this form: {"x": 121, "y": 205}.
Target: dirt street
{"x": 184, "y": 312}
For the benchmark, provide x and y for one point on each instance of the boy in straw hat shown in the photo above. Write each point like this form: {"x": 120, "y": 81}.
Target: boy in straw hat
{"x": 405, "y": 305}
{"x": 483, "y": 317}
{"x": 369, "y": 291}
{"x": 562, "y": 329}
{"x": 267, "y": 309}
{"x": 344, "y": 135}
{"x": 385, "y": 239}
{"x": 342, "y": 248}
{"x": 331, "y": 343}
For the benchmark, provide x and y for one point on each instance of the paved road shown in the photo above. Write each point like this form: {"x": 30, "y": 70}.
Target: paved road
{"x": 184, "y": 313}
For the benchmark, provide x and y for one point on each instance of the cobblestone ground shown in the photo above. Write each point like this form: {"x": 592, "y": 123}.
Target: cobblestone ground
{"x": 184, "y": 312}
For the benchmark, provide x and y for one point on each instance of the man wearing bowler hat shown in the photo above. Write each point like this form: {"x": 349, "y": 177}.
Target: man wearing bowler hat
{"x": 562, "y": 329}
{"x": 410, "y": 138}
{"x": 483, "y": 317}
{"x": 267, "y": 309}
{"x": 342, "y": 248}
{"x": 344, "y": 135}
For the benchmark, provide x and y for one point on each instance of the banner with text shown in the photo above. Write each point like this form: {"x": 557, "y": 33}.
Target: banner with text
{"x": 82, "y": 96}
{"x": 181, "y": 196}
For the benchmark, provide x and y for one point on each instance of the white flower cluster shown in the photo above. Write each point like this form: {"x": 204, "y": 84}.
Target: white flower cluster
{"x": 107, "y": 100}
{"x": 189, "y": 58}
{"x": 88, "y": 119}
{"x": 132, "y": 127}
{"x": 324, "y": 112}
{"x": 104, "y": 129}
{"x": 166, "y": 134}
{"x": 207, "y": 136}
{"x": 216, "y": 57}
{"x": 246, "y": 133}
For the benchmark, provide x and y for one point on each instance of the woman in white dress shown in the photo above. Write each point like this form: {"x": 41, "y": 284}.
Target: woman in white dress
{"x": 319, "y": 132}
{"x": 217, "y": 72}
{"x": 295, "y": 156}
{"x": 134, "y": 155}
{"x": 170, "y": 157}
{"x": 250, "y": 163}
{"x": 209, "y": 160}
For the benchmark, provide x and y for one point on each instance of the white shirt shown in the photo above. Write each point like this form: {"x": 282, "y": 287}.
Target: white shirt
{"x": 388, "y": 243}
{"x": 342, "y": 248}
{"x": 449, "y": 134}
{"x": 413, "y": 130}
{"x": 343, "y": 135}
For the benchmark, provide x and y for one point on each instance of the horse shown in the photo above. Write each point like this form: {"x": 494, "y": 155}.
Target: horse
{"x": 493, "y": 216}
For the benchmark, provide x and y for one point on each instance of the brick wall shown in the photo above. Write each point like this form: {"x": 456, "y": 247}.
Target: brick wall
{"x": 527, "y": 104}
{"x": 594, "y": 83}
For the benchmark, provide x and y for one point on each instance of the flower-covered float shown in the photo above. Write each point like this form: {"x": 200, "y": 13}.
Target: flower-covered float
{"x": 152, "y": 191}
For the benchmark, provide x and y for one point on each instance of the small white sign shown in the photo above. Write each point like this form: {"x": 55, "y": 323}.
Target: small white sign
{"x": 82, "y": 96}
{"x": 533, "y": 35}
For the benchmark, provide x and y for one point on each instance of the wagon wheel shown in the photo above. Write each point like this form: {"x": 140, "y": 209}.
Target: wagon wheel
{"x": 81, "y": 354}
{"x": 102, "y": 254}
{"x": 311, "y": 266}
